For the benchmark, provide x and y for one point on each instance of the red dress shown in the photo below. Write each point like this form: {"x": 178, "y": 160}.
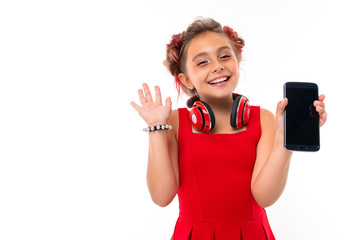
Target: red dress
{"x": 215, "y": 198}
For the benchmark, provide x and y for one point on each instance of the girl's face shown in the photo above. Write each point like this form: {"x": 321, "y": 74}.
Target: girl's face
{"x": 211, "y": 66}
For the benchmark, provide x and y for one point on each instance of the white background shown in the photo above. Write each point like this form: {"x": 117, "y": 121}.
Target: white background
{"x": 73, "y": 156}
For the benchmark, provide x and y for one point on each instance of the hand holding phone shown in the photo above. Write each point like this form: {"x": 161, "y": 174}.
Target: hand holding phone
{"x": 301, "y": 120}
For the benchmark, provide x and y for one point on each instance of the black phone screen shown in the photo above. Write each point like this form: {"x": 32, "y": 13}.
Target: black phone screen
{"x": 301, "y": 119}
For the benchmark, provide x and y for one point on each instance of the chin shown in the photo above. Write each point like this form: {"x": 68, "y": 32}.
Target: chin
{"x": 224, "y": 92}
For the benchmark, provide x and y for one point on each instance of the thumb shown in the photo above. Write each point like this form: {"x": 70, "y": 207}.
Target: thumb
{"x": 281, "y": 107}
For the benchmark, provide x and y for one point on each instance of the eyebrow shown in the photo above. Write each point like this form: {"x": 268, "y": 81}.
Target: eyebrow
{"x": 205, "y": 53}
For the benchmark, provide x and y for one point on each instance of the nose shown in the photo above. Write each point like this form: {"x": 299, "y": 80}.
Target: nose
{"x": 218, "y": 67}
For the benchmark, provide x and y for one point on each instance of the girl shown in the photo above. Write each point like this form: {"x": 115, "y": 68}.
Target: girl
{"x": 225, "y": 174}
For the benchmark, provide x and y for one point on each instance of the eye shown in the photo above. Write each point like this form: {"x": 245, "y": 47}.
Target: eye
{"x": 225, "y": 56}
{"x": 202, "y": 63}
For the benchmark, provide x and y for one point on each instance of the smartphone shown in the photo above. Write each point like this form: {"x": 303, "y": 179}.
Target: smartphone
{"x": 301, "y": 126}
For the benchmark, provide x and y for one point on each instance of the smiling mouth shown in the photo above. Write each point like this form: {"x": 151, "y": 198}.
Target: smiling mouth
{"x": 219, "y": 80}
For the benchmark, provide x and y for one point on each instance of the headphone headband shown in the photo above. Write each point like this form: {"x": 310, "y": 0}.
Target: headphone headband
{"x": 190, "y": 102}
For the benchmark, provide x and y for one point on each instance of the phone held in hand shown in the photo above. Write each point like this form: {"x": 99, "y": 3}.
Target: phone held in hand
{"x": 301, "y": 126}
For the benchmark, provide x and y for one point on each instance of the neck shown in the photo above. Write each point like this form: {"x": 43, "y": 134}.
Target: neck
{"x": 219, "y": 104}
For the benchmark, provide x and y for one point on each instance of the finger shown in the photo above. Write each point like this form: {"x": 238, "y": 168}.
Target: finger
{"x": 320, "y": 102}
{"x": 135, "y": 106}
{"x": 158, "y": 95}
{"x": 320, "y": 109}
{"x": 142, "y": 97}
{"x": 168, "y": 102}
{"x": 147, "y": 92}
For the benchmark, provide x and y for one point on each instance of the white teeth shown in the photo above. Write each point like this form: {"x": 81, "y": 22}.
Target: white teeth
{"x": 218, "y": 80}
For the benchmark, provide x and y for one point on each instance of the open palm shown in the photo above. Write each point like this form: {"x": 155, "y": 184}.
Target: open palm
{"x": 153, "y": 112}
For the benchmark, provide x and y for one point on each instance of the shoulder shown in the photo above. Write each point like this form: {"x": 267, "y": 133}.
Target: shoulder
{"x": 267, "y": 119}
{"x": 174, "y": 117}
{"x": 178, "y": 114}
{"x": 266, "y": 114}
{"x": 174, "y": 121}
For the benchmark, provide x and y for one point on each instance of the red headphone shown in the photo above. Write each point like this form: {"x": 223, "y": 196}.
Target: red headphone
{"x": 203, "y": 119}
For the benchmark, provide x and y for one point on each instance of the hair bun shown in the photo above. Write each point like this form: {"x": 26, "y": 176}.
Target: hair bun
{"x": 175, "y": 45}
{"x": 172, "y": 61}
{"x": 234, "y": 37}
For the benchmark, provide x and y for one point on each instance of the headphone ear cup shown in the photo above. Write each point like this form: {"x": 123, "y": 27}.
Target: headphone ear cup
{"x": 234, "y": 112}
{"x": 202, "y": 117}
{"x": 246, "y": 112}
{"x": 240, "y": 112}
{"x": 211, "y": 117}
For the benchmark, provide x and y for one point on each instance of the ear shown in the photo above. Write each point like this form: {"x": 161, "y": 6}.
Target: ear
{"x": 186, "y": 81}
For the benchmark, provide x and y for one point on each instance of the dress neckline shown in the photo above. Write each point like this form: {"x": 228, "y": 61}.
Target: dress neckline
{"x": 220, "y": 134}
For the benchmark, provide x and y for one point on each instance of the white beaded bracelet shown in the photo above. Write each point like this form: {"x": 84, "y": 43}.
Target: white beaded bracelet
{"x": 158, "y": 127}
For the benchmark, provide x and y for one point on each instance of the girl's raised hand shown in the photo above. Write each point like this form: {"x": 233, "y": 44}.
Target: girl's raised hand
{"x": 319, "y": 105}
{"x": 153, "y": 112}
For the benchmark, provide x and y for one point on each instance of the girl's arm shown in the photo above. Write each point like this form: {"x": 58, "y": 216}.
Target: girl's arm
{"x": 273, "y": 160}
{"x": 162, "y": 169}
